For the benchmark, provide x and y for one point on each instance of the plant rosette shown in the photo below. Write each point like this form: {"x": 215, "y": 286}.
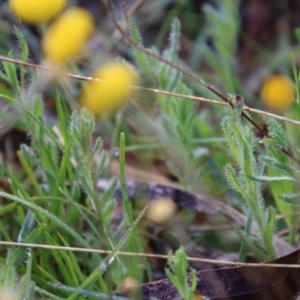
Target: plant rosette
{"x": 67, "y": 36}
{"x": 36, "y": 11}
{"x": 112, "y": 89}
{"x": 276, "y": 92}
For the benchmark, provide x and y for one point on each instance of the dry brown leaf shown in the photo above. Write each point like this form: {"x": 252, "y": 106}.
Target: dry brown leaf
{"x": 238, "y": 283}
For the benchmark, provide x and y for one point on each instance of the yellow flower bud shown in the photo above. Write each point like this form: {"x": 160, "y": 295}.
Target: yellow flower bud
{"x": 161, "y": 210}
{"x": 276, "y": 92}
{"x": 112, "y": 91}
{"x": 67, "y": 36}
{"x": 36, "y": 11}
{"x": 128, "y": 286}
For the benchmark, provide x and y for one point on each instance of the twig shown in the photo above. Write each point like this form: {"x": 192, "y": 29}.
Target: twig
{"x": 160, "y": 256}
{"x": 156, "y": 91}
{"x": 124, "y": 9}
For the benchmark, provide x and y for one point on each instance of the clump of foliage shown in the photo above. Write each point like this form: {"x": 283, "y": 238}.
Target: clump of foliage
{"x": 52, "y": 195}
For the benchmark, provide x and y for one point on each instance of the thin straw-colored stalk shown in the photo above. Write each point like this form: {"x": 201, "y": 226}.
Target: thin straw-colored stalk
{"x": 157, "y": 91}
{"x": 99, "y": 251}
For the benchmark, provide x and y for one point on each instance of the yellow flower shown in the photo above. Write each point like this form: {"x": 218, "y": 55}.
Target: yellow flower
{"x": 105, "y": 96}
{"x": 36, "y": 11}
{"x": 67, "y": 36}
{"x": 276, "y": 92}
{"x": 161, "y": 210}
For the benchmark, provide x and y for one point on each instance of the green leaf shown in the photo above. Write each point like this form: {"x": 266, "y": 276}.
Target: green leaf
{"x": 11, "y": 72}
{"x": 291, "y": 198}
{"x": 231, "y": 141}
{"x": 47, "y": 294}
{"x": 282, "y": 187}
{"x": 75, "y": 268}
{"x": 81, "y": 212}
{"x": 234, "y": 181}
{"x": 87, "y": 294}
{"x": 4, "y": 91}
{"x": 297, "y": 33}
{"x": 269, "y": 232}
{"x": 8, "y": 272}
{"x": 63, "y": 116}
{"x": 61, "y": 258}
{"x": 224, "y": 14}
{"x": 252, "y": 244}
{"x": 194, "y": 279}
{"x": 269, "y": 179}
{"x": 26, "y": 288}
{"x": 178, "y": 274}
{"x": 174, "y": 38}
{"x": 37, "y": 236}
{"x": 175, "y": 281}
{"x": 98, "y": 272}
{"x": 99, "y": 166}
{"x": 47, "y": 214}
{"x": 293, "y": 131}
{"x": 127, "y": 205}
{"x": 23, "y": 43}
{"x": 271, "y": 161}
{"x": 296, "y": 72}
{"x": 140, "y": 56}
{"x": 107, "y": 204}
{"x": 26, "y": 226}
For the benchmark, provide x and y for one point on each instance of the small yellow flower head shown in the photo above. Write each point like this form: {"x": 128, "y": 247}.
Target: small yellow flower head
{"x": 36, "y": 11}
{"x": 112, "y": 91}
{"x": 161, "y": 210}
{"x": 276, "y": 92}
{"x": 67, "y": 36}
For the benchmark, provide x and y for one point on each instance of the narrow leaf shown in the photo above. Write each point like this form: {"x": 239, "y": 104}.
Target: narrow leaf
{"x": 268, "y": 179}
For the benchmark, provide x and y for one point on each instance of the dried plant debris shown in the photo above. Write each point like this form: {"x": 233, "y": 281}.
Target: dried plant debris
{"x": 238, "y": 283}
{"x": 188, "y": 200}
